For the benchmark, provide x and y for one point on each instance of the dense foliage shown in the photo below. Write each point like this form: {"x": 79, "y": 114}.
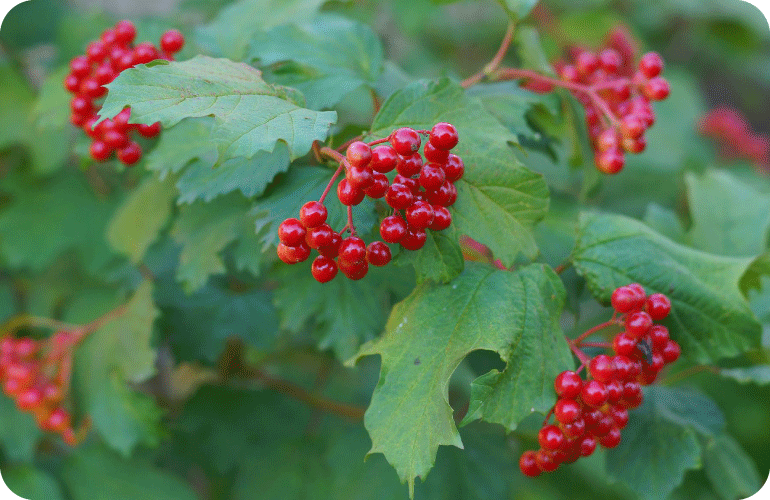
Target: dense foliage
{"x": 601, "y": 224}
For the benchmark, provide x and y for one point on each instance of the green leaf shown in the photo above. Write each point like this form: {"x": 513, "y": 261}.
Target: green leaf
{"x": 709, "y": 315}
{"x": 118, "y": 353}
{"x": 47, "y": 218}
{"x": 441, "y": 259}
{"x": 285, "y": 198}
{"x": 199, "y": 325}
{"x": 95, "y": 473}
{"x": 517, "y": 9}
{"x": 665, "y": 222}
{"x": 342, "y": 314}
{"x": 19, "y": 433}
{"x": 730, "y": 469}
{"x": 204, "y": 230}
{"x": 659, "y": 444}
{"x": 15, "y": 106}
{"x": 538, "y": 354}
{"x": 237, "y": 24}
{"x": 427, "y": 336}
{"x": 728, "y": 216}
{"x": 51, "y": 109}
{"x": 759, "y": 374}
{"x": 188, "y": 144}
{"x": 332, "y": 57}
{"x": 143, "y": 214}
{"x": 499, "y": 200}
{"x": 31, "y": 483}
{"x": 251, "y": 115}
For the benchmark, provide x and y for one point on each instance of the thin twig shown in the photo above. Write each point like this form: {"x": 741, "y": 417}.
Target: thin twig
{"x": 492, "y": 66}
{"x": 26, "y": 320}
{"x": 593, "y": 330}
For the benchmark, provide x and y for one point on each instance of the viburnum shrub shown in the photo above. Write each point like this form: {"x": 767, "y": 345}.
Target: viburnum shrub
{"x": 477, "y": 241}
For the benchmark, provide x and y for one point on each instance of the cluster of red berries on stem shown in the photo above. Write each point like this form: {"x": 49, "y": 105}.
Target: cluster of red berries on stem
{"x": 594, "y": 410}
{"x": 617, "y": 105}
{"x": 422, "y": 189}
{"x": 36, "y": 375}
{"x": 735, "y": 137}
{"x": 103, "y": 61}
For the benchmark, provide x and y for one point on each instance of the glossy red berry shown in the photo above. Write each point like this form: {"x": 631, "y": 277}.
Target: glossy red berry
{"x": 586, "y": 63}
{"x": 432, "y": 176}
{"x": 638, "y": 324}
{"x": 610, "y": 60}
{"x": 352, "y": 250}
{"x": 658, "y": 306}
{"x": 635, "y": 146}
{"x": 671, "y": 352}
{"x": 414, "y": 239}
{"x": 442, "y": 219}
{"x": 587, "y": 446}
{"x": 550, "y": 437}
{"x": 149, "y": 131}
{"x": 320, "y": 236}
{"x": 25, "y": 348}
{"x": 384, "y": 159}
{"x": 575, "y": 428}
{"x": 81, "y": 105}
{"x": 172, "y": 41}
{"x": 100, "y": 151}
{"x": 145, "y": 52}
{"x": 359, "y": 154}
{"x": 567, "y": 410}
{"x": 656, "y": 89}
{"x": 379, "y": 187}
{"x": 332, "y": 250}
{"x": 433, "y": 154}
{"x": 658, "y": 337}
{"x": 80, "y": 66}
{"x": 29, "y": 399}
{"x": 96, "y": 51}
{"x": 528, "y": 464}
{"x": 393, "y": 229}
{"x": 611, "y": 439}
{"x": 293, "y": 255}
{"x": 626, "y": 299}
{"x": 614, "y": 390}
{"x": 359, "y": 177}
{"x": 406, "y": 141}
{"x": 312, "y": 214}
{"x": 454, "y": 168}
{"x": 324, "y": 269}
{"x": 72, "y": 83}
{"x": 651, "y": 64}
{"x": 125, "y": 32}
{"x": 568, "y": 384}
{"x": 611, "y": 161}
{"x": 420, "y": 215}
{"x": 115, "y": 139}
{"x": 399, "y": 197}
{"x": 130, "y": 154}
{"x": 57, "y": 421}
{"x": 291, "y": 232}
{"x": 378, "y": 253}
{"x": 602, "y": 368}
{"x": 349, "y": 195}
{"x": 607, "y": 140}
{"x": 545, "y": 461}
{"x": 444, "y": 136}
{"x": 354, "y": 270}
{"x": 622, "y": 366}
{"x": 594, "y": 393}
{"x": 624, "y": 343}
{"x": 410, "y": 165}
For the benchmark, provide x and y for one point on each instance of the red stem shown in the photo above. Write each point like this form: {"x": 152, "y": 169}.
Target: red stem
{"x": 606, "y": 345}
{"x": 593, "y": 330}
{"x": 495, "y": 62}
{"x": 577, "y": 352}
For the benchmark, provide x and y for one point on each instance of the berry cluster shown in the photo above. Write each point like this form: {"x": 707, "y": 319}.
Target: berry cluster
{"x": 595, "y": 410}
{"x": 735, "y": 136}
{"x": 36, "y": 376}
{"x": 422, "y": 189}
{"x": 617, "y": 99}
{"x": 103, "y": 61}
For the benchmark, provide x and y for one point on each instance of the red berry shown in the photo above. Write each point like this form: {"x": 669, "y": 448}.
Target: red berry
{"x": 569, "y": 73}
{"x": 632, "y": 127}
{"x": 443, "y": 196}
{"x": 658, "y": 337}
{"x": 332, "y": 250}
{"x": 145, "y": 52}
{"x": 393, "y": 229}
{"x": 624, "y": 343}
{"x": 632, "y": 392}
{"x": 626, "y": 299}
{"x": 607, "y": 140}
{"x": 550, "y": 437}
{"x": 72, "y": 83}
{"x": 149, "y": 131}
{"x": 23, "y": 373}
{"x": 414, "y": 239}
{"x": 574, "y": 429}
{"x": 406, "y": 141}
{"x": 592, "y": 417}
{"x": 528, "y": 464}
{"x": 104, "y": 74}
{"x": 399, "y": 197}
{"x": 125, "y": 32}
{"x": 320, "y": 236}
{"x": 100, "y": 151}
{"x": 29, "y": 399}
{"x": 324, "y": 269}
{"x": 444, "y": 136}
{"x": 291, "y": 232}
{"x": 359, "y": 154}
{"x": 587, "y": 446}
{"x": 26, "y": 348}
{"x": 127, "y": 60}
{"x": 454, "y": 168}
{"x": 434, "y": 154}
{"x": 656, "y": 89}
{"x": 114, "y": 139}
{"x": 612, "y": 439}
{"x": 420, "y": 215}
{"x": 638, "y": 324}
{"x": 432, "y": 177}
{"x": 410, "y": 165}
{"x": 610, "y": 60}
{"x": 651, "y": 64}
{"x": 594, "y": 393}
{"x": 81, "y": 105}
{"x": 293, "y": 255}
{"x": 622, "y": 366}
{"x": 658, "y": 306}
{"x": 639, "y": 289}
{"x": 349, "y": 195}
{"x": 379, "y": 187}
{"x": 384, "y": 159}
{"x": 614, "y": 390}
{"x": 312, "y": 214}
{"x": 603, "y": 426}
{"x": 568, "y": 384}
{"x": 57, "y": 421}
{"x": 130, "y": 154}
{"x": 545, "y": 461}
{"x": 451, "y": 194}
{"x": 352, "y": 249}
{"x": 80, "y": 66}
{"x": 52, "y": 393}
{"x": 619, "y": 416}
{"x": 12, "y": 387}
{"x": 567, "y": 410}
{"x": 671, "y": 352}
{"x": 96, "y": 52}
{"x": 586, "y": 62}
{"x": 635, "y": 146}
{"x": 602, "y": 368}
{"x": 378, "y": 253}
{"x": 611, "y": 161}
{"x": 360, "y": 178}
{"x": 442, "y": 219}
{"x": 172, "y": 41}
{"x": 355, "y": 270}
